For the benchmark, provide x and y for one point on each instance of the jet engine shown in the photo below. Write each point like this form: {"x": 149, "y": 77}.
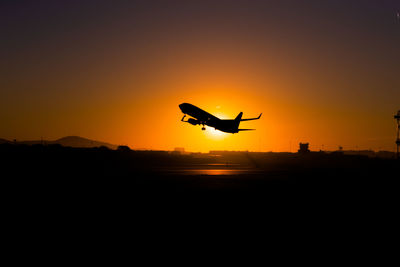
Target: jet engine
{"x": 193, "y": 121}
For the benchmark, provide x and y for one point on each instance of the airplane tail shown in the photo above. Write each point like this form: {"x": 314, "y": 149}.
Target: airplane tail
{"x": 237, "y": 120}
{"x": 239, "y": 117}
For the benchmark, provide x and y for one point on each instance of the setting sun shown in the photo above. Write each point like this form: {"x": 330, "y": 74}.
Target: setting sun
{"x": 215, "y": 134}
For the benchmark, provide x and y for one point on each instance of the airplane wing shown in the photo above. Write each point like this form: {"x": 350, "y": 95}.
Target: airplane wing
{"x": 251, "y": 118}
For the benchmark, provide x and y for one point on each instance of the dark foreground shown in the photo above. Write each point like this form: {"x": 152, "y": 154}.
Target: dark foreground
{"x": 72, "y": 194}
{"x": 144, "y": 177}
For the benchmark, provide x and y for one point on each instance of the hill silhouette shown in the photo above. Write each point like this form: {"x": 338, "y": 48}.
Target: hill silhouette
{"x": 68, "y": 141}
{"x": 77, "y": 141}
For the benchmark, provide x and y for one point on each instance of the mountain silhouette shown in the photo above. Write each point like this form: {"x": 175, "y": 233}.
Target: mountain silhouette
{"x": 68, "y": 141}
{"x": 77, "y": 141}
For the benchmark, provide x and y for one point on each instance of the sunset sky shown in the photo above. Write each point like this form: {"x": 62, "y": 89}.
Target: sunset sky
{"x": 323, "y": 72}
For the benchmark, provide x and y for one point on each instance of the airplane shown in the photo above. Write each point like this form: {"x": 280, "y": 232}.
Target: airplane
{"x": 204, "y": 118}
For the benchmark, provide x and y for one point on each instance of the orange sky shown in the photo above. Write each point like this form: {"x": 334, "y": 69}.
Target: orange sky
{"x": 119, "y": 76}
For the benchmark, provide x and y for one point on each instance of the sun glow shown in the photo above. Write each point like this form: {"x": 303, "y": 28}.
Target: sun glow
{"x": 215, "y": 134}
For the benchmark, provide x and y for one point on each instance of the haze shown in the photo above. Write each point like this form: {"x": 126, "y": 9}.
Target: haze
{"x": 323, "y": 72}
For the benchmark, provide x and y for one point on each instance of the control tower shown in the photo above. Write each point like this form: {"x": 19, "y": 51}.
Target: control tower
{"x": 397, "y": 117}
{"x": 303, "y": 148}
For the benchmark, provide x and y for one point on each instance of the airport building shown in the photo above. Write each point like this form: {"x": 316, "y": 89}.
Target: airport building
{"x": 303, "y": 148}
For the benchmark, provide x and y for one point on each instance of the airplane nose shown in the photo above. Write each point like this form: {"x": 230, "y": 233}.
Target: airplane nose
{"x": 181, "y": 106}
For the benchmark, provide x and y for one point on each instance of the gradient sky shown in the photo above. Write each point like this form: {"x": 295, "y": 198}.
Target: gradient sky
{"x": 324, "y": 72}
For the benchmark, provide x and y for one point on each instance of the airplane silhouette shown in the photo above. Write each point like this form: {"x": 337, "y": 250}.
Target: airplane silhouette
{"x": 204, "y": 118}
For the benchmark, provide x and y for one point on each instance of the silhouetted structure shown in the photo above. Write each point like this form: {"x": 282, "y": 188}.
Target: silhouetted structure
{"x": 179, "y": 151}
{"x": 303, "y": 148}
{"x": 397, "y": 117}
